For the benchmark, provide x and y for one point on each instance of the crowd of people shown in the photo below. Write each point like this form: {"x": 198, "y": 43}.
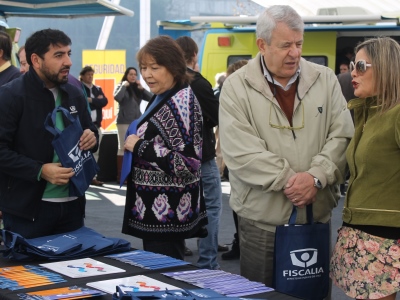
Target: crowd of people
{"x": 286, "y": 139}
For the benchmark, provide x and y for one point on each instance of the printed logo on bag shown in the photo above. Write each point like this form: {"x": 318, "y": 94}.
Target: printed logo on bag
{"x": 72, "y": 109}
{"x": 76, "y": 155}
{"x": 305, "y": 259}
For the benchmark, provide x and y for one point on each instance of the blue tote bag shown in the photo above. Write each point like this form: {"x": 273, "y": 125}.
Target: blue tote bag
{"x": 301, "y": 258}
{"x": 66, "y": 145}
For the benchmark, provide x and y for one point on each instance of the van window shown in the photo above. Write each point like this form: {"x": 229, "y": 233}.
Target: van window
{"x": 321, "y": 60}
{"x": 234, "y": 58}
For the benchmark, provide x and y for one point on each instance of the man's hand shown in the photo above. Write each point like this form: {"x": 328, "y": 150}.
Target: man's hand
{"x": 300, "y": 189}
{"x": 56, "y": 174}
{"x": 88, "y": 140}
{"x": 130, "y": 142}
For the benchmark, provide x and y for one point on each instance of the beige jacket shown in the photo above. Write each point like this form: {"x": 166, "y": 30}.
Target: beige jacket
{"x": 261, "y": 158}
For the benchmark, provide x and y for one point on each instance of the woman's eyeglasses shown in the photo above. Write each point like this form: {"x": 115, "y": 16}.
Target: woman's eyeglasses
{"x": 360, "y": 66}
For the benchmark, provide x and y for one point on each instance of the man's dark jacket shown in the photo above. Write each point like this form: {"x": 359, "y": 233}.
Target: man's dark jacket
{"x": 9, "y": 74}
{"x": 97, "y": 103}
{"x": 209, "y": 107}
{"x": 25, "y": 145}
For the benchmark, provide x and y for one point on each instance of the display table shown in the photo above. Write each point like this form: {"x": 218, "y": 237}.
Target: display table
{"x": 130, "y": 271}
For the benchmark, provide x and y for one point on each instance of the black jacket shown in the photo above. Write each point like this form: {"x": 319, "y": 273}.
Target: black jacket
{"x": 209, "y": 107}
{"x": 25, "y": 145}
{"x": 97, "y": 103}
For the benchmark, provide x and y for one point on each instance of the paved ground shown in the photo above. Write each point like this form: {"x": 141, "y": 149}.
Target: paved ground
{"x": 104, "y": 213}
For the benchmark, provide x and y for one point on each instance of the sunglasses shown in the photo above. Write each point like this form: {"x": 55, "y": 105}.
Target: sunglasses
{"x": 360, "y": 66}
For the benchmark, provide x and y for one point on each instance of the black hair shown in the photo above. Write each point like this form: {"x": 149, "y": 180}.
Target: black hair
{"x": 39, "y": 42}
{"x": 133, "y": 87}
{"x": 5, "y": 45}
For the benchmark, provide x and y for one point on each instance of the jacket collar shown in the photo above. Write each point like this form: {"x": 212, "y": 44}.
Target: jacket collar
{"x": 5, "y": 66}
{"x": 254, "y": 76}
{"x": 362, "y": 102}
{"x": 37, "y": 81}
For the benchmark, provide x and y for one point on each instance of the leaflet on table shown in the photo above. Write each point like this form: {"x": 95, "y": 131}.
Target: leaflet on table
{"x": 22, "y": 277}
{"x": 84, "y": 267}
{"x": 148, "y": 260}
{"x": 228, "y": 284}
{"x": 65, "y": 293}
{"x": 138, "y": 283}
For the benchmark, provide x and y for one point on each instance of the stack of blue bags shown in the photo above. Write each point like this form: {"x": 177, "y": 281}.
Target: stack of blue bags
{"x": 81, "y": 243}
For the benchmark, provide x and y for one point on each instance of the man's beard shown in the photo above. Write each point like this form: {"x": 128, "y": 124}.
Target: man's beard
{"x": 54, "y": 77}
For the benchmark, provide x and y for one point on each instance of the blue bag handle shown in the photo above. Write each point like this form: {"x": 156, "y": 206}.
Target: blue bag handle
{"x": 52, "y": 116}
{"x": 310, "y": 217}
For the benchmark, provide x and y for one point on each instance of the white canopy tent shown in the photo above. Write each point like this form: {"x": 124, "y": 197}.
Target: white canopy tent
{"x": 311, "y": 7}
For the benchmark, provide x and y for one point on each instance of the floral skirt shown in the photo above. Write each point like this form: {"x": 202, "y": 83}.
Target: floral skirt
{"x": 365, "y": 266}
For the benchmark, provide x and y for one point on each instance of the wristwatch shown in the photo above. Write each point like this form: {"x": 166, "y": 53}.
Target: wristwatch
{"x": 317, "y": 183}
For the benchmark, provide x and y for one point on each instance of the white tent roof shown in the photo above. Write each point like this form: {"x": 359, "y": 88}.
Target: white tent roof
{"x": 310, "y": 7}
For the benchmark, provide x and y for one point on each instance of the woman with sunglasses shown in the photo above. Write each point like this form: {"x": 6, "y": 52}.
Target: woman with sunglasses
{"x": 366, "y": 258}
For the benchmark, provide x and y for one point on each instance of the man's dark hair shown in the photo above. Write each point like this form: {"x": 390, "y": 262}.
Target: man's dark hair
{"x": 5, "y": 45}
{"x": 40, "y": 41}
{"x": 188, "y": 46}
{"x": 85, "y": 70}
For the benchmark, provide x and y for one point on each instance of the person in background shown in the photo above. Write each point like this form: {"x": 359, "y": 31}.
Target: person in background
{"x": 23, "y": 64}
{"x": 97, "y": 100}
{"x": 234, "y": 253}
{"x": 34, "y": 186}
{"x": 164, "y": 201}
{"x": 219, "y": 78}
{"x": 284, "y": 128}
{"x": 210, "y": 178}
{"x": 344, "y": 68}
{"x": 129, "y": 93}
{"x": 366, "y": 262}
{"x": 345, "y": 81}
{"x": 8, "y": 72}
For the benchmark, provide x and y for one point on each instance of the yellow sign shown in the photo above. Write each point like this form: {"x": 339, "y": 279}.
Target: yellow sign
{"x": 109, "y": 67}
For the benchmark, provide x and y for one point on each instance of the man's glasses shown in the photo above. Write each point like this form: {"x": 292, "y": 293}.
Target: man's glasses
{"x": 272, "y": 107}
{"x": 360, "y": 66}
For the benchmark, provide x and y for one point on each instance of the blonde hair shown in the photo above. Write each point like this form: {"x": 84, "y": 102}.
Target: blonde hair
{"x": 384, "y": 54}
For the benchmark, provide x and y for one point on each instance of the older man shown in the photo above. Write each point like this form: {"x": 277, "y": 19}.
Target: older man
{"x": 284, "y": 128}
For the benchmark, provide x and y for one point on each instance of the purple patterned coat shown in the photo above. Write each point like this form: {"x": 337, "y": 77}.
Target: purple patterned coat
{"x": 164, "y": 197}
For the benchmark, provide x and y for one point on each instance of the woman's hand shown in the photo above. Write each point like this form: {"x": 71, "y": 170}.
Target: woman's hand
{"x": 140, "y": 87}
{"x": 130, "y": 142}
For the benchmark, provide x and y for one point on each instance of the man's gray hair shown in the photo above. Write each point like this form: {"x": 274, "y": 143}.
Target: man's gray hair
{"x": 274, "y": 14}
